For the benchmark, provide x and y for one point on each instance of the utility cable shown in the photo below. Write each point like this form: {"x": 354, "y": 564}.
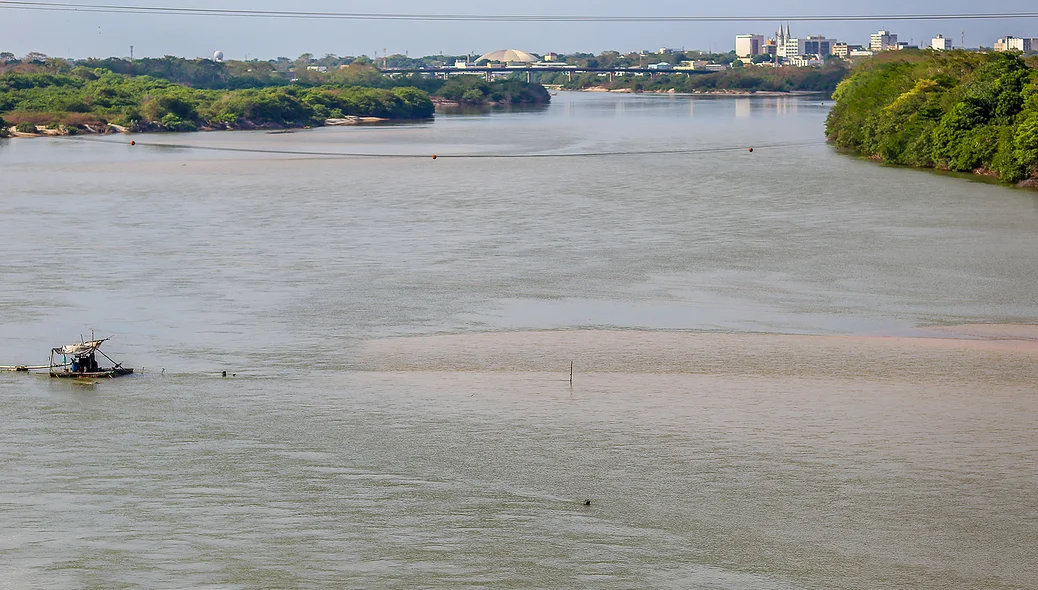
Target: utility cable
{"x": 427, "y": 17}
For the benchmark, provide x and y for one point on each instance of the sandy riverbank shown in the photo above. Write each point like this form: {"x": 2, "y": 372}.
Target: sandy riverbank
{"x": 353, "y": 121}
{"x": 110, "y": 129}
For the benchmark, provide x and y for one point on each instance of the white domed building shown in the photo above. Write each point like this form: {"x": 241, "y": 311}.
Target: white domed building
{"x": 507, "y": 56}
{"x": 218, "y": 56}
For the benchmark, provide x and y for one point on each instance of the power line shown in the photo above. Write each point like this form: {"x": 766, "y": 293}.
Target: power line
{"x": 424, "y": 17}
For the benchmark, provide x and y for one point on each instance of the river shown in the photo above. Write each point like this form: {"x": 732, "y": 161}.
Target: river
{"x": 791, "y": 368}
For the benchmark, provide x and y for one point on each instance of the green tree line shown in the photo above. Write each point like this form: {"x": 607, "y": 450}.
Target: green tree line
{"x": 472, "y": 89}
{"x": 957, "y": 110}
{"x": 476, "y": 90}
{"x": 812, "y": 79}
{"x": 235, "y": 75}
{"x": 208, "y": 94}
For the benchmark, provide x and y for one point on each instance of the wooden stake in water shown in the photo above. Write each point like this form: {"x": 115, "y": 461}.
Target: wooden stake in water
{"x": 571, "y": 373}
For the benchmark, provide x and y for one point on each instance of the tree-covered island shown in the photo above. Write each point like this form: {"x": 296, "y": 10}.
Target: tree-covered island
{"x": 174, "y": 94}
{"x": 955, "y": 110}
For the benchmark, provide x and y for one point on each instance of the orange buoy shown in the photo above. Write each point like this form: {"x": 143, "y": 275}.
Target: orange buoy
{"x": 751, "y": 150}
{"x": 434, "y": 156}
{"x": 133, "y": 143}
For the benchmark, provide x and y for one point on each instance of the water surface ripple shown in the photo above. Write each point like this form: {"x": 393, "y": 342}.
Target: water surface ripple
{"x": 398, "y": 335}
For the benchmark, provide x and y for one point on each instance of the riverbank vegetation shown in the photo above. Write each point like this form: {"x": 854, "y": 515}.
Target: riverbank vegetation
{"x": 956, "y": 110}
{"x": 741, "y": 79}
{"x": 89, "y": 98}
{"x": 175, "y": 94}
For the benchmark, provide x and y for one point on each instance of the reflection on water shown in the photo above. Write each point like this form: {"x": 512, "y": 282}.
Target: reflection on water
{"x": 743, "y": 107}
{"x": 343, "y": 454}
{"x": 489, "y": 109}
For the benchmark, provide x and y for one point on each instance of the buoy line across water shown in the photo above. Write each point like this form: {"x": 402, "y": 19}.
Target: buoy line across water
{"x": 436, "y": 156}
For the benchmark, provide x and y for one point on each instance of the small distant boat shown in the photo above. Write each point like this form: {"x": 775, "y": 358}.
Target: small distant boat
{"x": 79, "y": 361}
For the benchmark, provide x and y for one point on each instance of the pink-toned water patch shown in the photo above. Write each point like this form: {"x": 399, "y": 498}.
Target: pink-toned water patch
{"x": 893, "y": 359}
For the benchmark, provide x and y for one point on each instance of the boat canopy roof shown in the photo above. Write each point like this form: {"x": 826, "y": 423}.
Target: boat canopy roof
{"x": 81, "y": 349}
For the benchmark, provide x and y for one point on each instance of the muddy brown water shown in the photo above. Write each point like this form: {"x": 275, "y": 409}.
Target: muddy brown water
{"x": 793, "y": 369}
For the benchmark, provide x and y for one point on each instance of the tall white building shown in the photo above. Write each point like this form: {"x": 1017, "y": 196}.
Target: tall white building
{"x": 939, "y": 43}
{"x": 792, "y": 48}
{"x": 883, "y": 41}
{"x": 1016, "y": 44}
{"x": 749, "y": 45}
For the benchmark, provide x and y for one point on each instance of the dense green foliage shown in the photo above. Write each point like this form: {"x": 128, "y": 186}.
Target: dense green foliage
{"x": 961, "y": 111}
{"x": 100, "y": 97}
{"x": 816, "y": 79}
{"x": 177, "y": 94}
{"x": 473, "y": 89}
{"x": 197, "y": 73}
{"x": 476, "y": 90}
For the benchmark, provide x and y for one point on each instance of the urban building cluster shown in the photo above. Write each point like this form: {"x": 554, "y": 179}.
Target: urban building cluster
{"x": 785, "y": 49}
{"x": 1010, "y": 43}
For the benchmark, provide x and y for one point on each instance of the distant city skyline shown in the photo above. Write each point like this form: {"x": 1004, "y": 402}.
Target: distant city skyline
{"x": 85, "y": 34}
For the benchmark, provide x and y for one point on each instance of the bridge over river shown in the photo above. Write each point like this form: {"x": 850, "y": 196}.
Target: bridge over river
{"x": 490, "y": 71}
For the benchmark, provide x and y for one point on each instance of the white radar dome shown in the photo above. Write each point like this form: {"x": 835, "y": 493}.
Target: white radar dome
{"x": 218, "y": 56}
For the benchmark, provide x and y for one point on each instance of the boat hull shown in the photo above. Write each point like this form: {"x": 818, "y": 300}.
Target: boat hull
{"x": 109, "y": 374}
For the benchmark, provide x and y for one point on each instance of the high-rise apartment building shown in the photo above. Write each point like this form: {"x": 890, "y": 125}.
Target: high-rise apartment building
{"x": 883, "y": 41}
{"x": 939, "y": 43}
{"x": 749, "y": 45}
{"x": 793, "y": 47}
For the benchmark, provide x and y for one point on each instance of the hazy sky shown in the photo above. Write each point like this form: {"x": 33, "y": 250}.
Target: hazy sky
{"x": 76, "y": 34}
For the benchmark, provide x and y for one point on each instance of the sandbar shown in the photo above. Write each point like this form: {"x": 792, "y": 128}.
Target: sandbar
{"x": 961, "y": 354}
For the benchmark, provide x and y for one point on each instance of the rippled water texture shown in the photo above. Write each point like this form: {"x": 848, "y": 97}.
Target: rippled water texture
{"x": 792, "y": 368}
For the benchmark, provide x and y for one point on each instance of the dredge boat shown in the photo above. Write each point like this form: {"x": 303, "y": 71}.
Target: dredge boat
{"x": 79, "y": 361}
